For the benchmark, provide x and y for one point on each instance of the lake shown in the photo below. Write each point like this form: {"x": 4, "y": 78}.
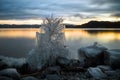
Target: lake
{"x": 17, "y": 42}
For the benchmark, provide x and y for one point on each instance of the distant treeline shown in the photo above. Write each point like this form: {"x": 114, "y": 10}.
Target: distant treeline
{"x": 100, "y": 24}
{"x": 91, "y": 24}
{"x": 19, "y": 26}
{"x": 97, "y": 24}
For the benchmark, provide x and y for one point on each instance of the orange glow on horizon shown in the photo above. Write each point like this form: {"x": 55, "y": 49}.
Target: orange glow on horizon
{"x": 19, "y": 22}
{"x": 66, "y": 20}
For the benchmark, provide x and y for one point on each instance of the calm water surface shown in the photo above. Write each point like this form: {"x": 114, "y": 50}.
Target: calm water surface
{"x": 18, "y": 42}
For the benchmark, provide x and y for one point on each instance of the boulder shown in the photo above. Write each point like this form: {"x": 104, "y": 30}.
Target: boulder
{"x": 53, "y": 70}
{"x": 3, "y": 65}
{"x": 11, "y": 73}
{"x": 53, "y": 77}
{"x": 30, "y": 78}
{"x": 24, "y": 68}
{"x": 62, "y": 62}
{"x": 19, "y": 63}
{"x": 112, "y": 58}
{"x": 74, "y": 63}
{"x": 104, "y": 68}
{"x": 5, "y": 78}
{"x": 11, "y": 62}
{"x": 92, "y": 55}
{"x": 113, "y": 74}
{"x": 96, "y": 73}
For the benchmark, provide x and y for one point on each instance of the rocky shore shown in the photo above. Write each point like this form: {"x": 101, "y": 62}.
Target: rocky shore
{"x": 95, "y": 62}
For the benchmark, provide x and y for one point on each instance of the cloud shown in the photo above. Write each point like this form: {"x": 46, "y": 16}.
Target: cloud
{"x": 101, "y": 2}
{"x": 27, "y": 9}
{"x": 20, "y": 9}
{"x": 111, "y": 5}
{"x": 116, "y": 15}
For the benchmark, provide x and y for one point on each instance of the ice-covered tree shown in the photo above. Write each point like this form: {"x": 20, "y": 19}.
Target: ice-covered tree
{"x": 49, "y": 43}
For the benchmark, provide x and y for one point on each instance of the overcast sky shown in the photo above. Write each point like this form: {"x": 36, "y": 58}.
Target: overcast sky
{"x": 71, "y": 10}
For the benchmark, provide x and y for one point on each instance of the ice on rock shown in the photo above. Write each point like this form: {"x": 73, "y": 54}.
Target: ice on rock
{"x": 5, "y": 78}
{"x": 92, "y": 55}
{"x": 16, "y": 62}
{"x": 11, "y": 73}
{"x": 96, "y": 73}
{"x": 49, "y": 44}
{"x": 53, "y": 77}
{"x": 112, "y": 58}
{"x": 30, "y": 78}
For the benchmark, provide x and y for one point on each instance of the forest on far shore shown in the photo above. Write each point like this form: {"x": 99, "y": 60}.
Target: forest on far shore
{"x": 91, "y": 24}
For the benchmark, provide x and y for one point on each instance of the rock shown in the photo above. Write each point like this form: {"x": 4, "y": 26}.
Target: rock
{"x": 110, "y": 73}
{"x": 11, "y": 62}
{"x": 19, "y": 63}
{"x": 112, "y": 58}
{"x": 11, "y": 73}
{"x": 113, "y": 75}
{"x": 24, "y": 68}
{"x": 74, "y": 63}
{"x": 96, "y": 73}
{"x": 105, "y": 68}
{"x": 3, "y": 65}
{"x": 5, "y": 78}
{"x": 92, "y": 55}
{"x": 53, "y": 70}
{"x": 63, "y": 62}
{"x": 30, "y": 78}
{"x": 53, "y": 77}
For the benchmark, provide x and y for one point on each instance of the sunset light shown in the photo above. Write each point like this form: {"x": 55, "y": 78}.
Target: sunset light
{"x": 67, "y": 20}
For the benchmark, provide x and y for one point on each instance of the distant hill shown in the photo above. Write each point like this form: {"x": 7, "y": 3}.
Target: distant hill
{"x": 91, "y": 24}
{"x": 100, "y": 24}
{"x": 19, "y": 26}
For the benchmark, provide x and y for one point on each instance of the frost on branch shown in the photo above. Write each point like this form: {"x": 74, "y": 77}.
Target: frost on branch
{"x": 49, "y": 43}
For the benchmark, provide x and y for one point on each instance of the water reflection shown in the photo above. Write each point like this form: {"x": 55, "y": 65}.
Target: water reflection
{"x": 77, "y": 38}
{"x": 105, "y": 36}
{"x": 18, "y": 42}
{"x": 74, "y": 34}
{"x": 17, "y": 33}
{"x": 109, "y": 36}
{"x": 70, "y": 34}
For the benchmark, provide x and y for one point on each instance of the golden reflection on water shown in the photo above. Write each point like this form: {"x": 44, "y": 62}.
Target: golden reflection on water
{"x": 74, "y": 34}
{"x": 108, "y": 36}
{"x": 70, "y": 34}
{"x": 16, "y": 33}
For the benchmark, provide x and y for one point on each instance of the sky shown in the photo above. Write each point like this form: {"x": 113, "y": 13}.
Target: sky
{"x": 72, "y": 11}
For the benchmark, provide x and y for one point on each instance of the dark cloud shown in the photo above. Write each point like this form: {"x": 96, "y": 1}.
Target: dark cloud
{"x": 78, "y": 15}
{"x": 112, "y": 5}
{"x": 116, "y": 15}
{"x": 26, "y": 9}
{"x": 102, "y": 2}
{"x": 22, "y": 9}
